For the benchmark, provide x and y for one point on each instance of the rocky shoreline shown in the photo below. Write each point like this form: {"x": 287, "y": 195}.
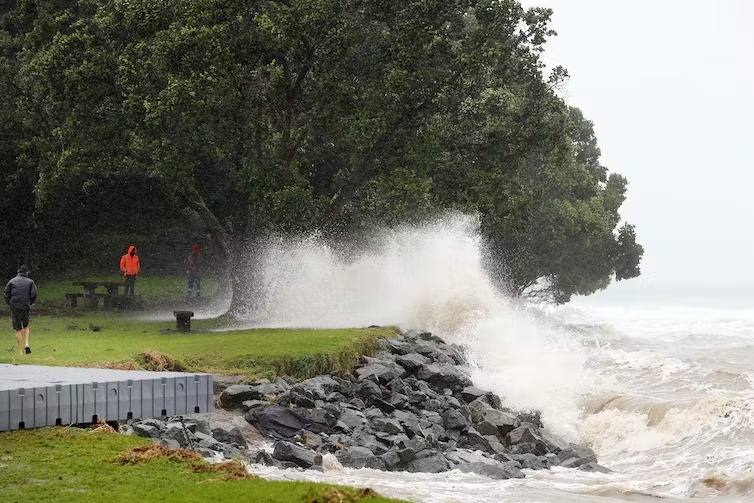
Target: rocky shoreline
{"x": 410, "y": 407}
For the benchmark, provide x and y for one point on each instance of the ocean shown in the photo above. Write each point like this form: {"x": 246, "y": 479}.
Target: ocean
{"x": 659, "y": 383}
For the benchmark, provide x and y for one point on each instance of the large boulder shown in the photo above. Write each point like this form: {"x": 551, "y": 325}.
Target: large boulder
{"x": 429, "y": 462}
{"x": 234, "y": 395}
{"x": 287, "y": 451}
{"x": 388, "y": 425}
{"x": 412, "y": 361}
{"x": 227, "y": 433}
{"x": 320, "y": 386}
{"x": 359, "y": 457}
{"x": 528, "y": 435}
{"x": 382, "y": 372}
{"x": 443, "y": 375}
{"x": 279, "y": 422}
{"x": 575, "y": 456}
{"x": 454, "y": 420}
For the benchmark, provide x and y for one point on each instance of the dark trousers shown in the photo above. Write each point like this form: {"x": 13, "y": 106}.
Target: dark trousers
{"x": 130, "y": 283}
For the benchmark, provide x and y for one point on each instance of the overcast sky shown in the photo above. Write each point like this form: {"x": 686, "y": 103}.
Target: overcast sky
{"x": 669, "y": 85}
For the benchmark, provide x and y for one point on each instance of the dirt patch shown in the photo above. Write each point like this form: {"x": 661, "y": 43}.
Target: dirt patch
{"x": 160, "y": 362}
{"x": 118, "y": 365}
{"x": 156, "y": 451}
{"x": 333, "y": 495}
{"x": 232, "y": 470}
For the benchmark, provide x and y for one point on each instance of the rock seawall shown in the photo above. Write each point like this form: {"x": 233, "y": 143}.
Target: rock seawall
{"x": 409, "y": 407}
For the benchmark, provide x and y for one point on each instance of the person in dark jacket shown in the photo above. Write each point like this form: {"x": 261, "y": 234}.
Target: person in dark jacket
{"x": 20, "y": 294}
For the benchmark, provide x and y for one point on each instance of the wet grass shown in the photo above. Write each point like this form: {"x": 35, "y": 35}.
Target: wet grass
{"x": 73, "y": 465}
{"x": 118, "y": 341}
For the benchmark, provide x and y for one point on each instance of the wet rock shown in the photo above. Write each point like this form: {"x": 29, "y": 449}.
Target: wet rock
{"x": 454, "y": 420}
{"x": 529, "y": 461}
{"x": 227, "y": 433}
{"x": 594, "y": 467}
{"x": 388, "y": 425}
{"x": 574, "y": 456}
{"x": 287, "y": 451}
{"x": 359, "y": 457}
{"x": 528, "y": 434}
{"x": 234, "y": 395}
{"x": 278, "y": 421}
{"x": 146, "y": 430}
{"x": 429, "y": 462}
{"x": 380, "y": 372}
{"x": 352, "y": 418}
{"x": 412, "y": 361}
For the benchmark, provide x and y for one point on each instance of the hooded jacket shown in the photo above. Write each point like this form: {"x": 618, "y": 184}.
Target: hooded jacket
{"x": 129, "y": 264}
{"x": 20, "y": 292}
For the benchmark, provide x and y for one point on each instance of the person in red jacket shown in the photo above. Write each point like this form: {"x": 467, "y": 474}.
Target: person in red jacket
{"x": 129, "y": 265}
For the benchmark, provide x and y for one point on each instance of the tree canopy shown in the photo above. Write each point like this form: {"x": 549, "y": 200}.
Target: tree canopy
{"x": 286, "y": 116}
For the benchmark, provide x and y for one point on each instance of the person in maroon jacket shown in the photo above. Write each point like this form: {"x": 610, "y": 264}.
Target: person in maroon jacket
{"x": 193, "y": 270}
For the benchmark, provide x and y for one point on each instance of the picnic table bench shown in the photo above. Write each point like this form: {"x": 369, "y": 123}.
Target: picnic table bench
{"x": 90, "y": 295}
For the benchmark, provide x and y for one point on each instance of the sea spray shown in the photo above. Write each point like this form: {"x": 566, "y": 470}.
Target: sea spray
{"x": 427, "y": 277}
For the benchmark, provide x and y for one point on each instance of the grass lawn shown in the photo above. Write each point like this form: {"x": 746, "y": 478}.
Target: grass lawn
{"x": 149, "y": 289}
{"x": 72, "y": 465}
{"x": 117, "y": 341}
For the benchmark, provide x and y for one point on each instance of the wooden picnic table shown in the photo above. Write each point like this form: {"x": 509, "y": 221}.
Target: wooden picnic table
{"x": 90, "y": 295}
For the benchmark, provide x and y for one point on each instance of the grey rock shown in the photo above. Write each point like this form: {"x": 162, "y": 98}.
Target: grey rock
{"x": 504, "y": 421}
{"x": 471, "y": 393}
{"x": 260, "y": 457}
{"x": 150, "y": 421}
{"x": 398, "y": 346}
{"x": 227, "y": 433}
{"x": 356, "y": 403}
{"x": 486, "y": 428}
{"x": 433, "y": 404}
{"x": 368, "y": 389}
{"x": 471, "y": 439}
{"x": 310, "y": 440}
{"x": 391, "y": 459}
{"x": 248, "y": 405}
{"x": 412, "y": 361}
{"x": 302, "y": 397}
{"x": 575, "y": 456}
{"x": 352, "y": 418}
{"x": 432, "y": 463}
{"x": 495, "y": 444}
{"x": 205, "y": 441}
{"x": 454, "y": 420}
{"x": 364, "y": 439}
{"x": 279, "y": 421}
{"x": 323, "y": 416}
{"x": 175, "y": 432}
{"x": 287, "y": 451}
{"x": 169, "y": 443}
{"x": 335, "y": 397}
{"x": 385, "y": 407}
{"x": 494, "y": 470}
{"x": 373, "y": 413}
{"x": 529, "y": 461}
{"x": 388, "y": 425}
{"x": 359, "y": 457}
{"x": 443, "y": 375}
{"x": 146, "y": 430}
{"x": 234, "y": 395}
{"x": 380, "y": 372}
{"x": 320, "y": 386}
{"x": 529, "y": 434}
{"x": 594, "y": 467}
